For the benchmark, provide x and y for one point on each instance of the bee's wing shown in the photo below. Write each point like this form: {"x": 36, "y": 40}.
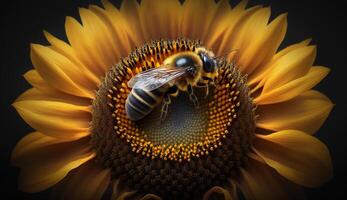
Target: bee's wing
{"x": 156, "y": 77}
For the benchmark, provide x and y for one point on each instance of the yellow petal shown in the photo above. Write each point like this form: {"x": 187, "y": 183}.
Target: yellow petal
{"x": 100, "y": 37}
{"x": 223, "y": 26}
{"x": 196, "y": 18}
{"x": 264, "y": 69}
{"x": 84, "y": 44}
{"x": 247, "y": 33}
{"x": 219, "y": 24}
{"x": 150, "y": 197}
{"x": 119, "y": 192}
{"x": 55, "y": 68}
{"x": 256, "y": 23}
{"x": 293, "y": 88}
{"x": 240, "y": 21}
{"x": 88, "y": 182}
{"x": 54, "y": 116}
{"x": 160, "y": 19}
{"x": 217, "y": 190}
{"x": 116, "y": 189}
{"x": 264, "y": 44}
{"x": 66, "y": 50}
{"x": 30, "y": 144}
{"x": 35, "y": 79}
{"x": 45, "y": 161}
{"x": 117, "y": 28}
{"x": 43, "y": 90}
{"x": 306, "y": 112}
{"x": 297, "y": 156}
{"x": 130, "y": 10}
{"x": 291, "y": 48}
{"x": 260, "y": 182}
{"x": 125, "y": 195}
{"x": 293, "y": 65}
{"x": 62, "y": 47}
{"x": 52, "y": 95}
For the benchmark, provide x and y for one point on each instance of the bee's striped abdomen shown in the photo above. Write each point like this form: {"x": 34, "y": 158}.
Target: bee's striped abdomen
{"x": 140, "y": 103}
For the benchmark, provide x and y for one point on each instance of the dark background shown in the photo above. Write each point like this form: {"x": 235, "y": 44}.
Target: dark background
{"x": 22, "y": 22}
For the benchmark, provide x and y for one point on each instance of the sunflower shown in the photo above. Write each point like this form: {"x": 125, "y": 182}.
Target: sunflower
{"x": 252, "y": 135}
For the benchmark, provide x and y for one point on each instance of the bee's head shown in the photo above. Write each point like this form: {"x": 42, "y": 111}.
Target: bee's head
{"x": 208, "y": 61}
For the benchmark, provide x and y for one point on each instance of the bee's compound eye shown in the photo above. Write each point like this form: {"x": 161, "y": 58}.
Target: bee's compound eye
{"x": 209, "y": 64}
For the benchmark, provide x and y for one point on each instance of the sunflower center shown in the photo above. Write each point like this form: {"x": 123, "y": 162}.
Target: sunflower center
{"x": 184, "y": 124}
{"x": 193, "y": 149}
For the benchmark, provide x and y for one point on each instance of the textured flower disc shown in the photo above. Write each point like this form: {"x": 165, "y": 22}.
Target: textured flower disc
{"x": 193, "y": 149}
{"x": 84, "y": 144}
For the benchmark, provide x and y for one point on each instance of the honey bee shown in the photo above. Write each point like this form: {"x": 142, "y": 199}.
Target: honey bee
{"x": 179, "y": 72}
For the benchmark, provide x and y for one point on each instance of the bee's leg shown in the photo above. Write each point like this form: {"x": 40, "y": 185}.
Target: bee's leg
{"x": 207, "y": 90}
{"x": 173, "y": 91}
{"x": 193, "y": 97}
{"x": 213, "y": 83}
{"x": 165, "y": 107}
{"x": 204, "y": 85}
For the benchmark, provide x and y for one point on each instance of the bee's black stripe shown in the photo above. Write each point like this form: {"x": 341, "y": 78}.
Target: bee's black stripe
{"x": 157, "y": 93}
{"x": 201, "y": 84}
{"x": 132, "y": 113}
{"x": 145, "y": 96}
{"x": 207, "y": 78}
{"x": 173, "y": 89}
{"x": 138, "y": 103}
